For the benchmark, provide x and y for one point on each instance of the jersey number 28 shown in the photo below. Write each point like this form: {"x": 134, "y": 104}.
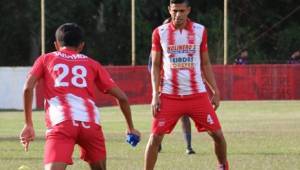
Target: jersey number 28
{"x": 78, "y": 75}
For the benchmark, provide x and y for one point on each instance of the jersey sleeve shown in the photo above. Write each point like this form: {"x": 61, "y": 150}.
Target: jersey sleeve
{"x": 37, "y": 69}
{"x": 104, "y": 81}
{"x": 156, "y": 46}
{"x": 203, "y": 46}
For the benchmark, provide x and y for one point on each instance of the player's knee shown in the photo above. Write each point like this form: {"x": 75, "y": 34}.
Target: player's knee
{"x": 218, "y": 136}
{"x": 155, "y": 140}
{"x": 55, "y": 166}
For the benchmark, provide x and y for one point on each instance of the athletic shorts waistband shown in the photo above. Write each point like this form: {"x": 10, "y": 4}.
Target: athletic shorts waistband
{"x": 184, "y": 96}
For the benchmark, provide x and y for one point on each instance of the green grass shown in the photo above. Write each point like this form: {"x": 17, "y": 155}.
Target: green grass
{"x": 261, "y": 135}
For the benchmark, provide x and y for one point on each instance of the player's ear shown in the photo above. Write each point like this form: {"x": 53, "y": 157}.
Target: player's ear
{"x": 80, "y": 47}
{"x": 189, "y": 9}
{"x": 57, "y": 45}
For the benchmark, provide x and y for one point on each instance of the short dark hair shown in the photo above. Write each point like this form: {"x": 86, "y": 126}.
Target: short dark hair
{"x": 69, "y": 34}
{"x": 244, "y": 49}
{"x": 180, "y": 2}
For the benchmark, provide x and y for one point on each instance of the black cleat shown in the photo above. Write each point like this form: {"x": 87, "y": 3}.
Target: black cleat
{"x": 190, "y": 151}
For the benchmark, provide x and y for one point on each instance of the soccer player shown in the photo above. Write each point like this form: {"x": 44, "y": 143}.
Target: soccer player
{"x": 185, "y": 121}
{"x": 179, "y": 55}
{"x": 70, "y": 79}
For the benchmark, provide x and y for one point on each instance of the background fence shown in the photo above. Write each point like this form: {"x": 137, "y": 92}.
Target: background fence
{"x": 250, "y": 82}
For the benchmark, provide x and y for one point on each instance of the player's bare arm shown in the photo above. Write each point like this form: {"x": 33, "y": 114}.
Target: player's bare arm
{"x": 210, "y": 78}
{"x": 27, "y": 133}
{"x": 125, "y": 108}
{"x": 155, "y": 79}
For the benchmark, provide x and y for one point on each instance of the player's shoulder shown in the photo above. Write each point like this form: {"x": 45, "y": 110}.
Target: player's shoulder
{"x": 94, "y": 62}
{"x": 50, "y": 55}
{"x": 161, "y": 28}
{"x": 43, "y": 57}
{"x": 198, "y": 26}
{"x": 164, "y": 27}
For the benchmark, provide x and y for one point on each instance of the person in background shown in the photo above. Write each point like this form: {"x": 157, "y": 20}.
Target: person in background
{"x": 242, "y": 59}
{"x": 295, "y": 58}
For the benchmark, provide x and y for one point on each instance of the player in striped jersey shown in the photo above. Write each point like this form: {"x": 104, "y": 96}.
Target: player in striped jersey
{"x": 185, "y": 121}
{"x": 70, "y": 80}
{"x": 179, "y": 58}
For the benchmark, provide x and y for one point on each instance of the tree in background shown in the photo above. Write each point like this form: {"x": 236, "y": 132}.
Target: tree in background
{"x": 268, "y": 29}
{"x": 15, "y": 32}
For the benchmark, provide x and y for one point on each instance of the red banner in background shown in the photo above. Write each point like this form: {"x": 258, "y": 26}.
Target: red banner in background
{"x": 236, "y": 82}
{"x": 134, "y": 81}
{"x": 258, "y": 82}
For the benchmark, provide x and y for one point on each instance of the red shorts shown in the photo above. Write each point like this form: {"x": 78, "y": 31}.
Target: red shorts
{"x": 197, "y": 107}
{"x": 61, "y": 139}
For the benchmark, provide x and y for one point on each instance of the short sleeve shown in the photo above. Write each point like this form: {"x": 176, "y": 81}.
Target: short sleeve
{"x": 104, "y": 81}
{"x": 203, "y": 46}
{"x": 156, "y": 46}
{"x": 37, "y": 69}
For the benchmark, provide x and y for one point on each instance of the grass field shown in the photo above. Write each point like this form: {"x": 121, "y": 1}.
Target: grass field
{"x": 261, "y": 135}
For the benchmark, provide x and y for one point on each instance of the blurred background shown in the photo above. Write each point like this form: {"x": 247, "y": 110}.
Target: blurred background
{"x": 269, "y": 29}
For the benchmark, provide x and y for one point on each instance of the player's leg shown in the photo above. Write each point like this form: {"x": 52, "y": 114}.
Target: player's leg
{"x": 220, "y": 149}
{"x": 163, "y": 123}
{"x": 214, "y": 130}
{"x": 186, "y": 129}
{"x": 59, "y": 146}
{"x": 56, "y": 166}
{"x": 92, "y": 145}
{"x": 100, "y": 165}
{"x": 205, "y": 118}
{"x": 152, "y": 151}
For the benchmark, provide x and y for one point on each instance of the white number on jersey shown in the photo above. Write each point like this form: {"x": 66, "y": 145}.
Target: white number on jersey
{"x": 78, "y": 75}
{"x": 209, "y": 119}
{"x": 78, "y": 72}
{"x": 64, "y": 73}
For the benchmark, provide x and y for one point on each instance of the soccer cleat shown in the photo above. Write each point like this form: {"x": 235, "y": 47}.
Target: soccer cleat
{"x": 223, "y": 166}
{"x": 190, "y": 151}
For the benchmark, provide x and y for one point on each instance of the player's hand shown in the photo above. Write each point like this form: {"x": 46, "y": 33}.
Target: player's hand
{"x": 216, "y": 100}
{"x": 155, "y": 104}
{"x": 27, "y": 135}
{"x": 133, "y": 137}
{"x": 133, "y": 131}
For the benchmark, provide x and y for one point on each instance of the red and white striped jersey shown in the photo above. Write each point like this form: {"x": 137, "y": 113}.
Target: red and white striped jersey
{"x": 181, "y": 57}
{"x": 69, "y": 81}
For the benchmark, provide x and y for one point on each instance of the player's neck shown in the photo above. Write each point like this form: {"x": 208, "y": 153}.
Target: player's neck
{"x": 181, "y": 26}
{"x": 69, "y": 48}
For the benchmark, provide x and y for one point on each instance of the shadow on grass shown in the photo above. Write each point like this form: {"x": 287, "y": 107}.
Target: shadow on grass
{"x": 16, "y": 138}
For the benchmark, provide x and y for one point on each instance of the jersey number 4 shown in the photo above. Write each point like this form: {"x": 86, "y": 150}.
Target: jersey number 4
{"x": 209, "y": 119}
{"x": 78, "y": 75}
